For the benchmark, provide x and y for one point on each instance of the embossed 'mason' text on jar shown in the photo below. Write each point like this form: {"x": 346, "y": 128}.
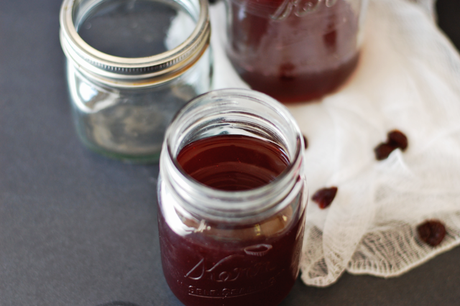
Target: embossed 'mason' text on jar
{"x": 131, "y": 64}
{"x": 231, "y": 198}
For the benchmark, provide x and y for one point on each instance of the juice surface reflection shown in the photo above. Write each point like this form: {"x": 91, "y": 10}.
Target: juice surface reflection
{"x": 233, "y": 162}
{"x": 293, "y": 50}
{"x": 226, "y": 263}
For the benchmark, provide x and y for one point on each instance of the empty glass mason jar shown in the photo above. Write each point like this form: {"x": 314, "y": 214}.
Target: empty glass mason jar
{"x": 130, "y": 66}
{"x": 231, "y": 198}
{"x": 294, "y": 50}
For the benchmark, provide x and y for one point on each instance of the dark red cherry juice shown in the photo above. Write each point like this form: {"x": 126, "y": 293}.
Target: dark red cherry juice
{"x": 233, "y": 162}
{"x": 293, "y": 50}
{"x": 228, "y": 264}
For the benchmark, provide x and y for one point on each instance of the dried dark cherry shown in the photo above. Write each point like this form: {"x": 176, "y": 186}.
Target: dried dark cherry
{"x": 305, "y": 142}
{"x": 397, "y": 139}
{"x": 324, "y": 196}
{"x": 432, "y": 232}
{"x": 383, "y": 150}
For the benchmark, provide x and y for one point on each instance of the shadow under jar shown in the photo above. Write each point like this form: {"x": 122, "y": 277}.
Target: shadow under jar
{"x": 294, "y": 50}
{"x": 231, "y": 198}
{"x": 130, "y": 66}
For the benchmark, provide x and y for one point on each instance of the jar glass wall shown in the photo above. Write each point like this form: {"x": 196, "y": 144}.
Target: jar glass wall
{"x": 130, "y": 66}
{"x": 294, "y": 50}
{"x": 238, "y": 247}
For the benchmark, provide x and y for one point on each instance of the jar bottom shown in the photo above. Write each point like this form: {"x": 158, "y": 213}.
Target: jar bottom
{"x": 209, "y": 272}
{"x": 287, "y": 87}
{"x": 146, "y": 158}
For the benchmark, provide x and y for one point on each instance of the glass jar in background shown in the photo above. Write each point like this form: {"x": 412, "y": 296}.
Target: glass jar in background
{"x": 130, "y": 66}
{"x": 294, "y": 50}
{"x": 231, "y": 198}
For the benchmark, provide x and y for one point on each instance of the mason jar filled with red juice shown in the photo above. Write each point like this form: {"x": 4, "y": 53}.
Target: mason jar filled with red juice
{"x": 231, "y": 199}
{"x": 294, "y": 50}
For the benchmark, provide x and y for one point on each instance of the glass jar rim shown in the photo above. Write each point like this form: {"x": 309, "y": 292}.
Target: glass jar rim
{"x": 235, "y": 203}
{"x": 159, "y": 67}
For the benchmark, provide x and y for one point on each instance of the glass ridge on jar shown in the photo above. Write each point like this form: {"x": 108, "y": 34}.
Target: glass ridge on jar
{"x": 130, "y": 66}
{"x": 294, "y": 50}
{"x": 239, "y": 247}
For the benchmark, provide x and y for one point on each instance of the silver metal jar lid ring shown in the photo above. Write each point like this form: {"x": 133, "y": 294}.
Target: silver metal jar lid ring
{"x": 163, "y": 65}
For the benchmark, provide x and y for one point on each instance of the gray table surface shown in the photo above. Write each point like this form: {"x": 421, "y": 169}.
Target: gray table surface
{"x": 79, "y": 229}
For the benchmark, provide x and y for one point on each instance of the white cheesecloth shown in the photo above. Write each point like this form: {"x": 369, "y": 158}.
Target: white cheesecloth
{"x": 408, "y": 78}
